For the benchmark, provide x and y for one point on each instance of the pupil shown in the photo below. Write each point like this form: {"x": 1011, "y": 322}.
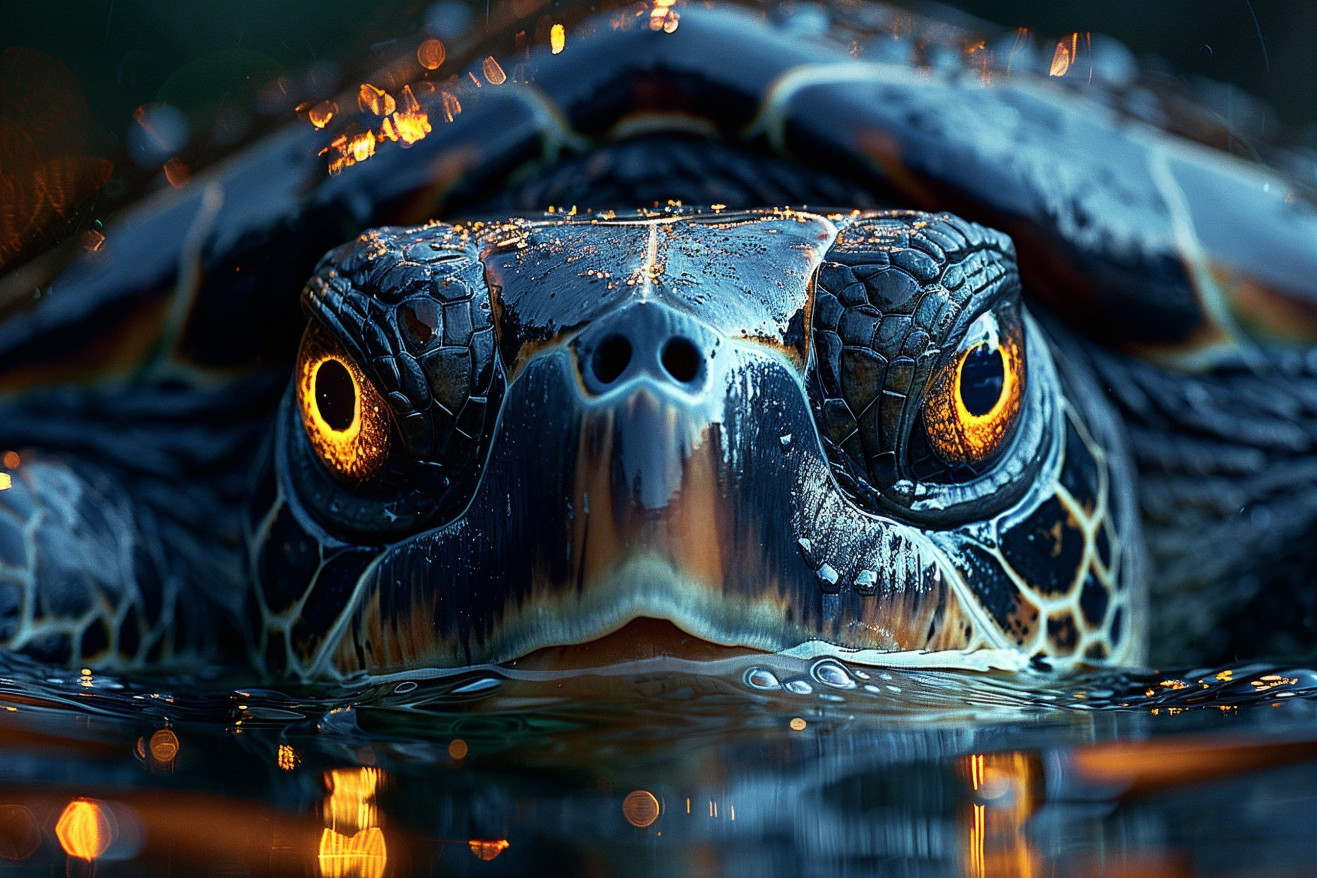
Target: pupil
{"x": 336, "y": 394}
{"x": 981, "y": 379}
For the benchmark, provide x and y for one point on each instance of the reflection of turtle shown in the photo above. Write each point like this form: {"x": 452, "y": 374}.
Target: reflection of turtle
{"x": 628, "y": 422}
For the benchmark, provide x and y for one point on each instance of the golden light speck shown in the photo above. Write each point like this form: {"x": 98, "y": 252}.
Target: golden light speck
{"x": 640, "y": 808}
{"x": 797, "y": 724}
{"x": 431, "y": 54}
{"x": 487, "y": 849}
{"x": 322, "y": 113}
{"x": 452, "y": 106}
{"x": 164, "y": 745}
{"x": 408, "y": 124}
{"x": 457, "y": 749}
{"x": 84, "y": 829}
{"x": 493, "y": 73}
{"x": 362, "y": 146}
{"x": 1064, "y": 56}
{"x": 92, "y": 240}
{"x": 557, "y": 38}
{"x": 371, "y": 99}
{"x": 663, "y": 17}
{"x": 287, "y": 758}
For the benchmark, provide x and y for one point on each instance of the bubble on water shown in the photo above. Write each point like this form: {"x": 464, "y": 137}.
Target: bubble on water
{"x": 830, "y": 673}
{"x": 798, "y": 687}
{"x": 762, "y": 678}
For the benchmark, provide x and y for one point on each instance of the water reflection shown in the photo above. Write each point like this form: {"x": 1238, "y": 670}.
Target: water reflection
{"x": 777, "y": 766}
{"x": 84, "y": 830}
{"x": 1004, "y": 796}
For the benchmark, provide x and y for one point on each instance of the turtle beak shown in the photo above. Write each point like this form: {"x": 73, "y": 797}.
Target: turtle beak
{"x": 652, "y": 478}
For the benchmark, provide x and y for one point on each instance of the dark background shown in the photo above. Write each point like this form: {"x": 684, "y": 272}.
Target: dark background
{"x": 129, "y": 52}
{"x": 238, "y": 67}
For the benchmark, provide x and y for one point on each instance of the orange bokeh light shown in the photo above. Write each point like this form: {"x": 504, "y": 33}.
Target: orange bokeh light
{"x": 640, "y": 808}
{"x": 84, "y": 829}
{"x": 431, "y": 54}
{"x": 164, "y": 746}
{"x": 493, "y": 72}
{"x": 488, "y": 849}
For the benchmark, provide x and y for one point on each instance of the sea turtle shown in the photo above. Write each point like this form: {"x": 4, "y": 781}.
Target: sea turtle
{"x": 761, "y": 377}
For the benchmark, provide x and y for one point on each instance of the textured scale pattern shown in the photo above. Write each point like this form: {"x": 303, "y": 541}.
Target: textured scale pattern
{"x": 436, "y": 365}
{"x": 1047, "y": 571}
{"x": 890, "y": 290}
{"x": 1051, "y": 577}
{"x": 413, "y": 309}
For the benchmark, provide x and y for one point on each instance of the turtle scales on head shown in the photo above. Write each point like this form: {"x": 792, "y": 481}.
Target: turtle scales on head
{"x": 831, "y": 409}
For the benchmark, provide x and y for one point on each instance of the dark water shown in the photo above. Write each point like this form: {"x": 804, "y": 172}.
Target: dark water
{"x": 762, "y": 766}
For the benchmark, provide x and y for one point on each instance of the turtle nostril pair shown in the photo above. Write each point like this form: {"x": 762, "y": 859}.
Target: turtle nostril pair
{"x": 679, "y": 358}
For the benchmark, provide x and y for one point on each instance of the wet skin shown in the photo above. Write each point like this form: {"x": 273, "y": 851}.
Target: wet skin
{"x": 683, "y": 419}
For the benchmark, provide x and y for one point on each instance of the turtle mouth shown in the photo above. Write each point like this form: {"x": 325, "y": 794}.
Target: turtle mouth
{"x": 640, "y": 640}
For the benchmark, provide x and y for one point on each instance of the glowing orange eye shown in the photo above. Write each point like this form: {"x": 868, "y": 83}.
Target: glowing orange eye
{"x": 345, "y": 418}
{"x": 973, "y": 403}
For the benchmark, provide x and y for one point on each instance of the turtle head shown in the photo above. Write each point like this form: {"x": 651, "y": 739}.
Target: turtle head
{"x": 692, "y": 431}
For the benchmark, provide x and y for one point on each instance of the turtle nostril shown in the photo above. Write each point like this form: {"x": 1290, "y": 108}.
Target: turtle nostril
{"x": 681, "y": 359}
{"x": 610, "y": 359}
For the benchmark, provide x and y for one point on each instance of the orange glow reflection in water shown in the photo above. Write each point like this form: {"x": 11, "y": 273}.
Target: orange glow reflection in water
{"x": 352, "y": 843}
{"x": 351, "y": 799}
{"x": 360, "y": 855}
{"x": 84, "y": 829}
{"x": 1004, "y": 797}
{"x": 487, "y": 849}
{"x": 287, "y": 758}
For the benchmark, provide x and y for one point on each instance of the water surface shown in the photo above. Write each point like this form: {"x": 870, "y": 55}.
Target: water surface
{"x": 765, "y": 765}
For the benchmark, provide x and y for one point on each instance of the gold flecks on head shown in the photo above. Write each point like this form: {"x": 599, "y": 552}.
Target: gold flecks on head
{"x": 958, "y": 435}
{"x": 350, "y": 433}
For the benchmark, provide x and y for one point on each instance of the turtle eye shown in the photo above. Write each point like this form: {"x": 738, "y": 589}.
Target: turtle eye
{"x": 973, "y": 402}
{"x": 346, "y": 419}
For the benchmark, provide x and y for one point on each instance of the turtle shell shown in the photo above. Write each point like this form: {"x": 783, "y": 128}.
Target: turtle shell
{"x": 1188, "y": 273}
